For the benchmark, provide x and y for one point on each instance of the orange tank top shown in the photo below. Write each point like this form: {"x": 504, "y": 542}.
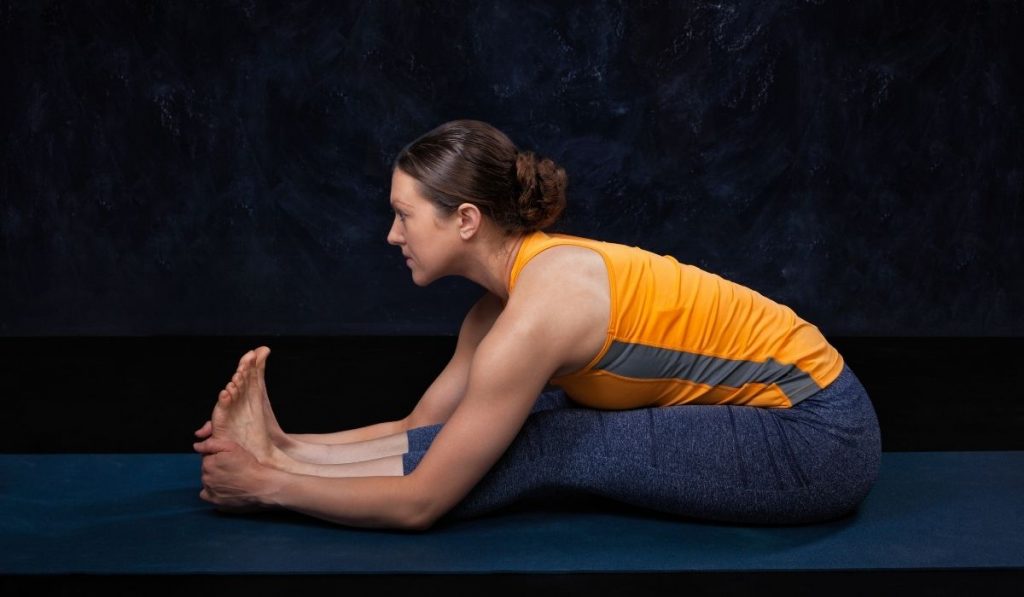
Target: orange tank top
{"x": 681, "y": 335}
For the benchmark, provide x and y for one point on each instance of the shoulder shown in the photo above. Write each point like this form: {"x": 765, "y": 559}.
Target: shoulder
{"x": 558, "y": 287}
{"x": 562, "y": 268}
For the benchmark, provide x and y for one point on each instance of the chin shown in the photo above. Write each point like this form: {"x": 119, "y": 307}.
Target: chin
{"x": 419, "y": 281}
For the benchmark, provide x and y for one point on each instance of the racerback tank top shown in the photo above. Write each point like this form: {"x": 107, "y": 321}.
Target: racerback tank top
{"x": 681, "y": 335}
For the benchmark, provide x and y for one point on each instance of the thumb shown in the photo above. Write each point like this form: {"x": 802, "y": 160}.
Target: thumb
{"x": 213, "y": 445}
{"x": 205, "y": 431}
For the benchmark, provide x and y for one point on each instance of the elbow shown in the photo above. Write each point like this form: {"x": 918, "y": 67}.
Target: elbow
{"x": 420, "y": 523}
{"x": 421, "y": 518}
{"x": 421, "y": 512}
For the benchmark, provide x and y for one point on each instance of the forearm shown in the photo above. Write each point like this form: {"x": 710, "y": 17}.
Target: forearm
{"x": 352, "y": 435}
{"x": 377, "y": 501}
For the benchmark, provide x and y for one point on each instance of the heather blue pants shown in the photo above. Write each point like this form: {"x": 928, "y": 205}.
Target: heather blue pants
{"x": 812, "y": 462}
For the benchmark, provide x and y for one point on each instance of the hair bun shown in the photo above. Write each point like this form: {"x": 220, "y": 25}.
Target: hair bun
{"x": 542, "y": 190}
{"x": 471, "y": 161}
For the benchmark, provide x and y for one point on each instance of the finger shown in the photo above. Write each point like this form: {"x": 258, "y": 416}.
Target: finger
{"x": 207, "y": 446}
{"x": 213, "y": 445}
{"x": 205, "y": 431}
{"x": 205, "y": 495}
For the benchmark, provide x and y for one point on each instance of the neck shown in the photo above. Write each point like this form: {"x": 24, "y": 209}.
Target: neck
{"x": 497, "y": 267}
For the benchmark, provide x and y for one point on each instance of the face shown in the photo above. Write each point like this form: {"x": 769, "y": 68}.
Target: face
{"x": 416, "y": 229}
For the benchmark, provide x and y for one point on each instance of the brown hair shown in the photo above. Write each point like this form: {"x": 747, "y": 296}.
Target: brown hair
{"x": 469, "y": 161}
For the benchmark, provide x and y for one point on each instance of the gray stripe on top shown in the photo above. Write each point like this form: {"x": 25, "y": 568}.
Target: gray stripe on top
{"x": 646, "y": 362}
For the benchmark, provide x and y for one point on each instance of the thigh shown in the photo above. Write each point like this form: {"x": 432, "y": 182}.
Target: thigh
{"x": 721, "y": 462}
{"x": 754, "y": 448}
{"x": 712, "y": 446}
{"x": 552, "y": 398}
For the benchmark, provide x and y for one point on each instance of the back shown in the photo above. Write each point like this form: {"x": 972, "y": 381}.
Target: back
{"x": 680, "y": 335}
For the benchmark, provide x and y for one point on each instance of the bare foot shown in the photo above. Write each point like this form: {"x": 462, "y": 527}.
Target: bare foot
{"x": 239, "y": 414}
{"x": 277, "y": 435}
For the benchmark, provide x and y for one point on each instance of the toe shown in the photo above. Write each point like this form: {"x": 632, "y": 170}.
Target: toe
{"x": 261, "y": 357}
{"x": 246, "y": 359}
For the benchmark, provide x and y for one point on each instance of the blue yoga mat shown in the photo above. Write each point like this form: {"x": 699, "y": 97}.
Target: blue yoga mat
{"x": 141, "y": 514}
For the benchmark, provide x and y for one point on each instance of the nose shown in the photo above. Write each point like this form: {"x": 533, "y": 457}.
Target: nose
{"x": 393, "y": 237}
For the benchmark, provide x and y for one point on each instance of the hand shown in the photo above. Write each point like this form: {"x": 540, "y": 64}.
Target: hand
{"x": 233, "y": 479}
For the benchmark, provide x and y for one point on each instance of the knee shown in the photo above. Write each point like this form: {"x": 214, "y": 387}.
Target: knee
{"x": 550, "y": 399}
{"x": 420, "y": 438}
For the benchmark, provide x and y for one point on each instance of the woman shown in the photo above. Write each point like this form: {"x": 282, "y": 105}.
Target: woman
{"x": 671, "y": 388}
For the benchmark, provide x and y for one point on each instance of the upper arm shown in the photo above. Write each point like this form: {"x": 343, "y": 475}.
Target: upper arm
{"x": 441, "y": 398}
{"x": 509, "y": 369}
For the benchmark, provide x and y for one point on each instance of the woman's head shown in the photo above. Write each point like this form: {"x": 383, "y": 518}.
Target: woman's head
{"x": 469, "y": 161}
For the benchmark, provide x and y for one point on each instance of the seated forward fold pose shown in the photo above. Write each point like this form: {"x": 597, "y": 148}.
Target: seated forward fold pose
{"x": 587, "y": 368}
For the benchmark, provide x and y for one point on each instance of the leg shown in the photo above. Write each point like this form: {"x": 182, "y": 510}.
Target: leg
{"x": 552, "y": 398}
{"x": 239, "y": 415}
{"x": 741, "y": 464}
{"x": 398, "y": 444}
{"x": 244, "y": 414}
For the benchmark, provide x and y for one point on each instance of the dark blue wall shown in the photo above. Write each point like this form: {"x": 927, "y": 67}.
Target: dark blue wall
{"x": 222, "y": 168}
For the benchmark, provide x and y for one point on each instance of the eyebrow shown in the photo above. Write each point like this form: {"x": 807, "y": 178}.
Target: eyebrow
{"x": 394, "y": 201}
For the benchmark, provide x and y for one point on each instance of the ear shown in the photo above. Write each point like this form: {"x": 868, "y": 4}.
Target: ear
{"x": 469, "y": 219}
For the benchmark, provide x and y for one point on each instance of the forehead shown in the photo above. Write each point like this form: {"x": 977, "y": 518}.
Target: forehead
{"x": 403, "y": 189}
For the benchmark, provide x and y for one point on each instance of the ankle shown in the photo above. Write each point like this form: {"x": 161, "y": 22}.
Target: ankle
{"x": 283, "y": 441}
{"x": 277, "y": 458}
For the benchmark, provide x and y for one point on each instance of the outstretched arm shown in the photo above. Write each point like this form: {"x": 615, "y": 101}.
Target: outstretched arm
{"x": 509, "y": 369}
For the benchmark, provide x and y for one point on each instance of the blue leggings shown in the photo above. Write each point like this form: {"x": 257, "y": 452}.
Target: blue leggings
{"x": 751, "y": 465}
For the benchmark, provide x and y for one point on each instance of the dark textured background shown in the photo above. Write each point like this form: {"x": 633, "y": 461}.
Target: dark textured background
{"x": 221, "y": 168}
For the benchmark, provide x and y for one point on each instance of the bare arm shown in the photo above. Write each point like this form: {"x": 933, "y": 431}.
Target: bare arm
{"x": 509, "y": 369}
